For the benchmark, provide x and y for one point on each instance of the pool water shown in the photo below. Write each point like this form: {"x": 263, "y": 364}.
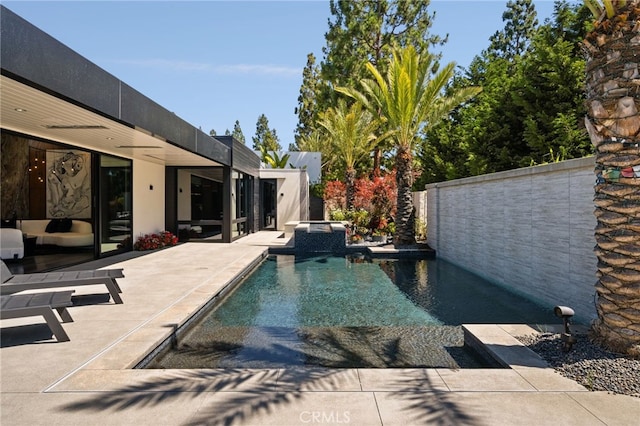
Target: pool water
{"x": 348, "y": 312}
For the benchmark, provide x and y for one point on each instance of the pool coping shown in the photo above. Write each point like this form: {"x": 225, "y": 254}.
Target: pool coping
{"x": 113, "y": 368}
{"x": 112, "y": 371}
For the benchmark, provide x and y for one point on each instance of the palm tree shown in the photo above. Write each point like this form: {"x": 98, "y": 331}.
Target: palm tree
{"x": 273, "y": 159}
{"x": 352, "y": 132}
{"x": 411, "y": 98}
{"x": 613, "y": 123}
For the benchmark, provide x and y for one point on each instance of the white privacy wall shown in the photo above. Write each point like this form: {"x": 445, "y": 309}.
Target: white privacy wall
{"x": 530, "y": 229}
{"x": 148, "y": 204}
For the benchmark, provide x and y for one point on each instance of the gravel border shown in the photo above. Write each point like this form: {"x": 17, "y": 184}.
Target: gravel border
{"x": 588, "y": 364}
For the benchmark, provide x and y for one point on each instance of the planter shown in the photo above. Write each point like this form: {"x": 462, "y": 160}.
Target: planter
{"x": 379, "y": 238}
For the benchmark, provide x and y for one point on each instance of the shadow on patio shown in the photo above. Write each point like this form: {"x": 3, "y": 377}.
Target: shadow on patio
{"x": 246, "y": 396}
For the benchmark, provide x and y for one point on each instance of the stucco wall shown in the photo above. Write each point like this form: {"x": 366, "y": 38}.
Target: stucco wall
{"x": 531, "y": 229}
{"x": 148, "y": 204}
{"x": 292, "y": 202}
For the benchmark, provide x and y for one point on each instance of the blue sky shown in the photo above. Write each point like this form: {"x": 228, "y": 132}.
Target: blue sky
{"x": 215, "y": 62}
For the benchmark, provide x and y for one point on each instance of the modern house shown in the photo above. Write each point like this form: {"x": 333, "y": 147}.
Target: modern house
{"x": 80, "y": 144}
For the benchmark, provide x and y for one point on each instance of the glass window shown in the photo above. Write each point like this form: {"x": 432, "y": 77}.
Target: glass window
{"x": 115, "y": 204}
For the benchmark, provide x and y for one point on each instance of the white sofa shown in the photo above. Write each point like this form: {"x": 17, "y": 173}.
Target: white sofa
{"x": 11, "y": 244}
{"x": 80, "y": 234}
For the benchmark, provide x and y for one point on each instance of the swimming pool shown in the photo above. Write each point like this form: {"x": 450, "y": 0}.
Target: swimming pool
{"x": 348, "y": 312}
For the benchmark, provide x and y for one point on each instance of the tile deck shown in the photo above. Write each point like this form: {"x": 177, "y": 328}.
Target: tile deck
{"x": 89, "y": 380}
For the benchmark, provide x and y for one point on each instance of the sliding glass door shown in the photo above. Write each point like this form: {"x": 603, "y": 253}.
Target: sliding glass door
{"x": 115, "y": 210}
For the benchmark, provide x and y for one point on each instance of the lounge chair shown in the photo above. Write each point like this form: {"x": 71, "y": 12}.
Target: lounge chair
{"x": 15, "y": 283}
{"x": 36, "y": 304}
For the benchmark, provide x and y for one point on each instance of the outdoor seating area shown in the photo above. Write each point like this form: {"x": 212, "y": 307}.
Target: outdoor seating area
{"x": 40, "y": 304}
{"x": 18, "y": 304}
{"x": 15, "y": 283}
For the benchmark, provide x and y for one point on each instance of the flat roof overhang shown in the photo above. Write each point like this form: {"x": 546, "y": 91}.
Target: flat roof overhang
{"x": 49, "y": 91}
{"x": 29, "y": 111}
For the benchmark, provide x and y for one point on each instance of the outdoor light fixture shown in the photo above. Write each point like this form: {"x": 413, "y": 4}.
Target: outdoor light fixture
{"x": 565, "y": 313}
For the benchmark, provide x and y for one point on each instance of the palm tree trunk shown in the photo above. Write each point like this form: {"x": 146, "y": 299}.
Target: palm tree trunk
{"x": 405, "y": 215}
{"x": 613, "y": 122}
{"x": 377, "y": 159}
{"x": 350, "y": 179}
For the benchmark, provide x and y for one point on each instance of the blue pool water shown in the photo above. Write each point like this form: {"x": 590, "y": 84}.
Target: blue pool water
{"x": 349, "y": 312}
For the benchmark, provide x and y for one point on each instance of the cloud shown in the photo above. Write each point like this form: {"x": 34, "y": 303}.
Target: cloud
{"x": 257, "y": 69}
{"x": 166, "y": 64}
{"x": 186, "y": 66}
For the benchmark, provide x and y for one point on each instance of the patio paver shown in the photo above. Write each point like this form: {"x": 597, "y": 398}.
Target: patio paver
{"x": 87, "y": 380}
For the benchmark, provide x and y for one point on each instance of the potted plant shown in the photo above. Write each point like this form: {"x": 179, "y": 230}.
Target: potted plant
{"x": 357, "y": 238}
{"x": 378, "y": 235}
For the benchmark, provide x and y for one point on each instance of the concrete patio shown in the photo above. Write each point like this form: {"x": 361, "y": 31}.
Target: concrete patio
{"x": 89, "y": 380}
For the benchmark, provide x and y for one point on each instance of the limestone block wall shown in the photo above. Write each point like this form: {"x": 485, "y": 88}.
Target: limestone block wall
{"x": 529, "y": 229}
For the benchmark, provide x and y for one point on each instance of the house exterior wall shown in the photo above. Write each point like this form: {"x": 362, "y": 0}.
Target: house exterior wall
{"x": 291, "y": 201}
{"x": 530, "y": 229}
{"x": 311, "y": 161}
{"x": 148, "y": 204}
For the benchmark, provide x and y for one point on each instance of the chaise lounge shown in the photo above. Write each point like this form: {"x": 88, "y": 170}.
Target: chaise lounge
{"x": 15, "y": 283}
{"x": 40, "y": 304}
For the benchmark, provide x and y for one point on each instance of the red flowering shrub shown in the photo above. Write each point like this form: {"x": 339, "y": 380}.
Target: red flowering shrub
{"x": 376, "y": 196}
{"x": 335, "y": 195}
{"x": 155, "y": 241}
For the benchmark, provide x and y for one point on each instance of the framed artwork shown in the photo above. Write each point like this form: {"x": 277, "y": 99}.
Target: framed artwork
{"x": 68, "y": 184}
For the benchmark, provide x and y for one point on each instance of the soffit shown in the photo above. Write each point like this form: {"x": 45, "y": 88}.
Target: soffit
{"x": 48, "y": 117}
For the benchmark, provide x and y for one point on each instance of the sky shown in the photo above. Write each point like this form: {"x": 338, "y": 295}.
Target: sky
{"x": 215, "y": 62}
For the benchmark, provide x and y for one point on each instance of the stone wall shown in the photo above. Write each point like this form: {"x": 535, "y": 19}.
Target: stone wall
{"x": 14, "y": 186}
{"x": 530, "y": 229}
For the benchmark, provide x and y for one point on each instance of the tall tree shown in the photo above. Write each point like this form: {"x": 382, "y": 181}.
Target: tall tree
{"x": 363, "y": 31}
{"x": 613, "y": 122}
{"x": 497, "y": 144}
{"x": 410, "y": 98}
{"x": 237, "y": 133}
{"x": 265, "y": 137}
{"x": 352, "y": 133}
{"x": 550, "y": 98}
{"x": 521, "y": 23}
{"x": 307, "y": 105}
{"x": 529, "y": 109}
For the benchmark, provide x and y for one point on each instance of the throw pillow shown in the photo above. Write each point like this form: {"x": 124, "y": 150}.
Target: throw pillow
{"x": 64, "y": 225}
{"x": 52, "y": 226}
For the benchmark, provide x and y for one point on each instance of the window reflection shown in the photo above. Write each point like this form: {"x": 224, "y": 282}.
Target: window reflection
{"x": 115, "y": 207}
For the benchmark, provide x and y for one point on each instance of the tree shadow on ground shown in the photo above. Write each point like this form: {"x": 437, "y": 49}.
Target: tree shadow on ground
{"x": 248, "y": 393}
{"x": 423, "y": 403}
